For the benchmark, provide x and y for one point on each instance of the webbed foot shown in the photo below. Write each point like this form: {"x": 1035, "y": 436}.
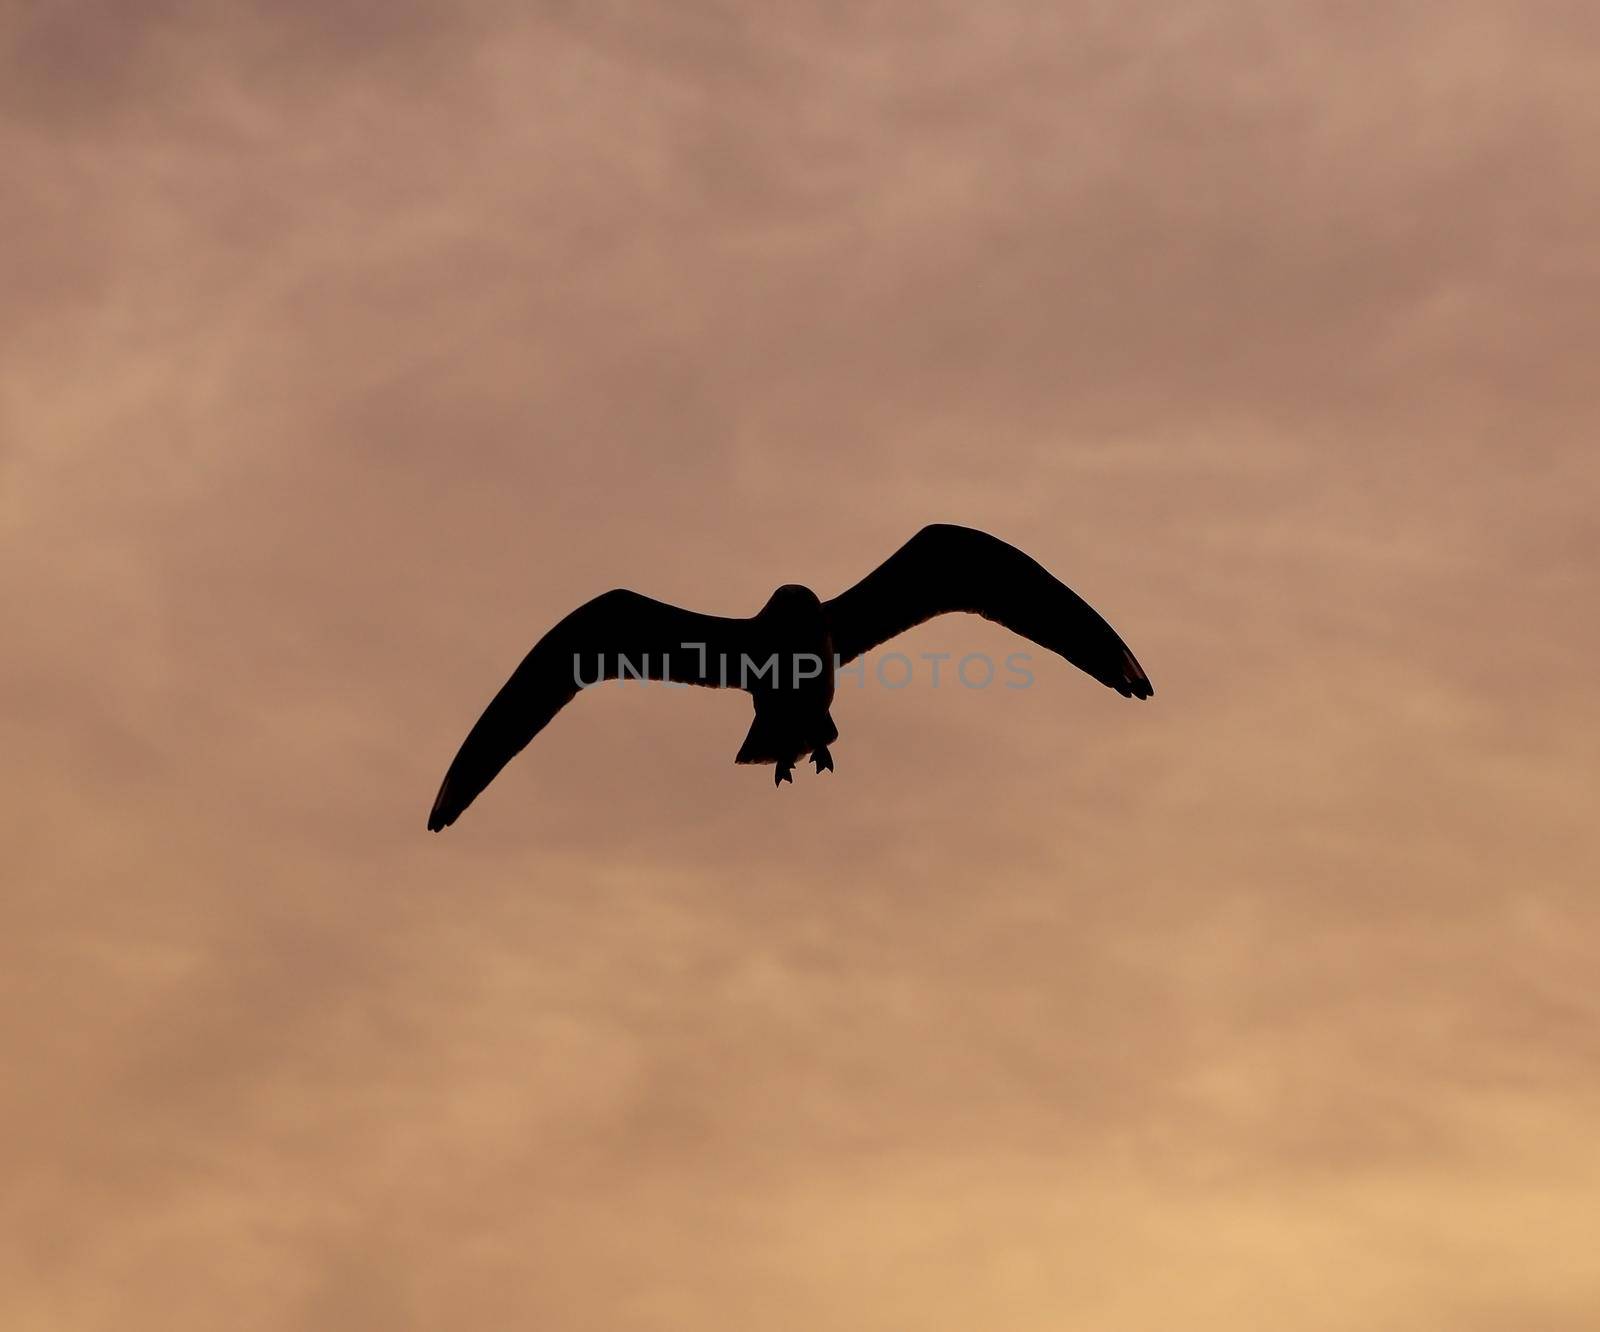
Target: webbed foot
{"x": 822, "y": 759}
{"x": 783, "y": 773}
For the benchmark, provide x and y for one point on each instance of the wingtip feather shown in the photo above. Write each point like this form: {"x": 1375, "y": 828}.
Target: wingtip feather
{"x": 438, "y": 818}
{"x": 1134, "y": 683}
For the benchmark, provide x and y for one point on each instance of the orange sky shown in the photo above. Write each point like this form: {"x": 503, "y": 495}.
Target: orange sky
{"x": 344, "y": 347}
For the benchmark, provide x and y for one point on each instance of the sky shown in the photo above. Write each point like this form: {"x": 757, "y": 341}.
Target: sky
{"x": 346, "y": 346}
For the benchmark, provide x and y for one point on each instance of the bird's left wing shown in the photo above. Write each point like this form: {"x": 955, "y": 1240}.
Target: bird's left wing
{"x": 618, "y": 634}
{"x": 947, "y": 568}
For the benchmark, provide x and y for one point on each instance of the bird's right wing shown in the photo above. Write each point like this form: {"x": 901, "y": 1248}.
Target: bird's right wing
{"x": 947, "y": 568}
{"x": 618, "y": 634}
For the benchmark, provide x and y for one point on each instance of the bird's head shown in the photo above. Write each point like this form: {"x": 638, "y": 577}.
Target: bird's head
{"x": 790, "y": 598}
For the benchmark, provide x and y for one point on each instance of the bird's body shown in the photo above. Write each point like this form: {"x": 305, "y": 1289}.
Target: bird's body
{"x": 794, "y": 689}
{"x": 785, "y": 655}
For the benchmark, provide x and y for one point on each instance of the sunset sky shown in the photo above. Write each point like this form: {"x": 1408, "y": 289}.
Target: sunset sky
{"x": 346, "y": 345}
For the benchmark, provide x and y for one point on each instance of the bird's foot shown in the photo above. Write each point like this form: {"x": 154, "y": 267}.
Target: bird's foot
{"x": 783, "y": 773}
{"x": 822, "y": 759}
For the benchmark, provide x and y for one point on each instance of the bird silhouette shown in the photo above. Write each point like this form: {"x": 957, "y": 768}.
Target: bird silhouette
{"x": 786, "y": 654}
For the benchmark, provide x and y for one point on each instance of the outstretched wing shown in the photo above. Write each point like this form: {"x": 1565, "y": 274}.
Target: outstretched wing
{"x": 946, "y": 568}
{"x": 618, "y": 634}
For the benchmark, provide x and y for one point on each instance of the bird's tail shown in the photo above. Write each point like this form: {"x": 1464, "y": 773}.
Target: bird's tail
{"x": 775, "y": 740}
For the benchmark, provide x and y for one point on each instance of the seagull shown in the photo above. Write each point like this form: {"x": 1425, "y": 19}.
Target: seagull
{"x": 786, "y": 655}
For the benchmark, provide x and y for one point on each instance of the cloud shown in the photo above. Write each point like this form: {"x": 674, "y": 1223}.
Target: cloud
{"x": 348, "y": 347}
